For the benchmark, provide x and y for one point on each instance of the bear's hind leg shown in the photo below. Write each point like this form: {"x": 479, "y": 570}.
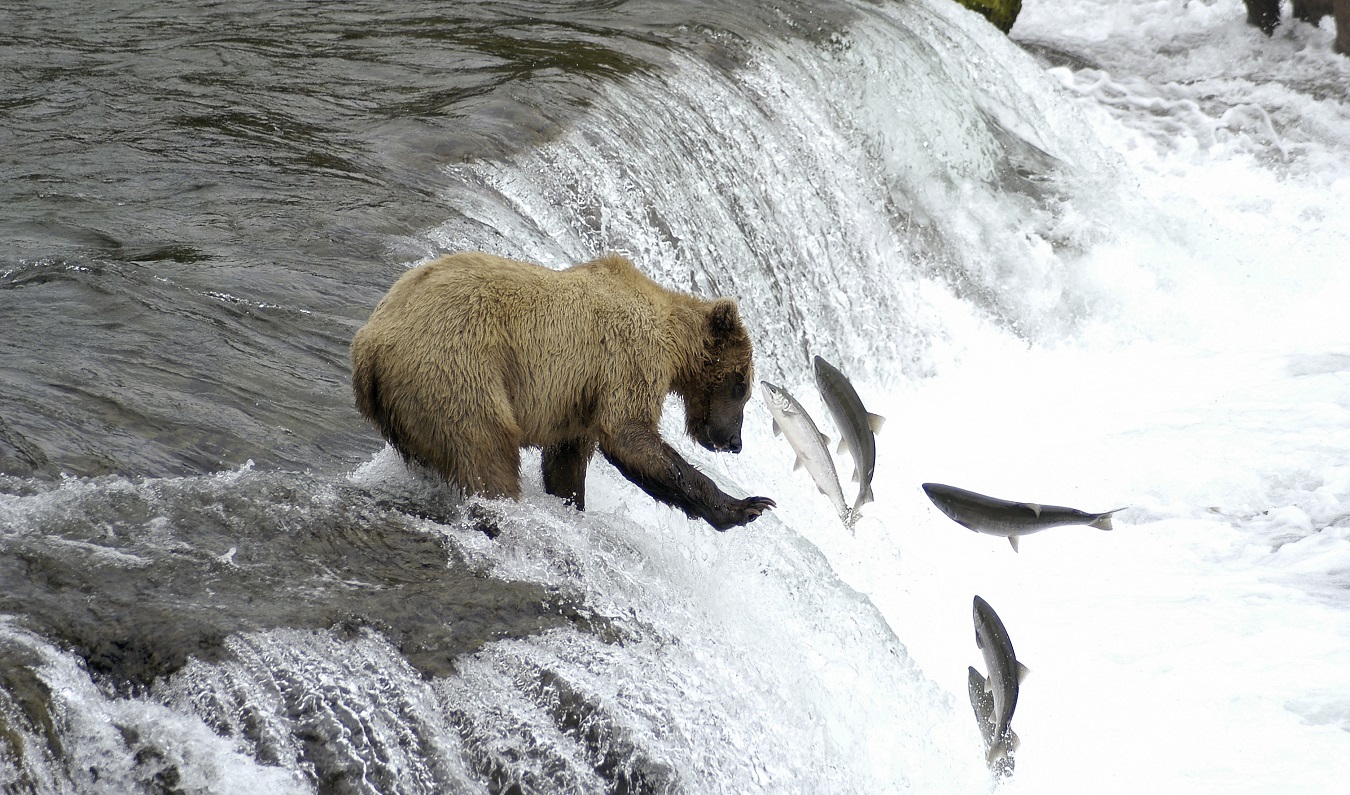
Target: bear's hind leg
{"x": 484, "y": 463}
{"x": 564, "y": 468}
{"x": 488, "y": 468}
{"x": 497, "y": 470}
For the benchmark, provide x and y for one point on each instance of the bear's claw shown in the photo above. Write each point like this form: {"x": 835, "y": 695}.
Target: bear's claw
{"x": 758, "y": 505}
{"x": 745, "y": 511}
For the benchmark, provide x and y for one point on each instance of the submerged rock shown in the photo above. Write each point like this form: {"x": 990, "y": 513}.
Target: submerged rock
{"x": 136, "y": 578}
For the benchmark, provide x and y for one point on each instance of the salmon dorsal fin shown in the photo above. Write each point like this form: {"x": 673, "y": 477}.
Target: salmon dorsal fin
{"x": 875, "y": 421}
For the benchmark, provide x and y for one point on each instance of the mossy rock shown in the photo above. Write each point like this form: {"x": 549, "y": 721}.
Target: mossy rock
{"x": 1003, "y": 13}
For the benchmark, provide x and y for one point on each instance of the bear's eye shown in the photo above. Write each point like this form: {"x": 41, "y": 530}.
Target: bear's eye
{"x": 738, "y": 390}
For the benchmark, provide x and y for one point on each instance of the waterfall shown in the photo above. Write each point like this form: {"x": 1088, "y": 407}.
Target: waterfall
{"x": 843, "y": 190}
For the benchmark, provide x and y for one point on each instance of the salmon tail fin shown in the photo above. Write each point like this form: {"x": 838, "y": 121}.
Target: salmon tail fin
{"x": 1103, "y": 522}
{"x": 864, "y": 497}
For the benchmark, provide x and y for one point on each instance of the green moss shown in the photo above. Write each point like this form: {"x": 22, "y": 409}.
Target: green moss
{"x": 1003, "y": 13}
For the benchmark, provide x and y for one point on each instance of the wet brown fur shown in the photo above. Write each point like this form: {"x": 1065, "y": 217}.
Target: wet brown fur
{"x": 471, "y": 357}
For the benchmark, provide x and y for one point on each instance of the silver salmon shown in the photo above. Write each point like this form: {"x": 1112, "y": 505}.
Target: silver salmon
{"x": 1004, "y": 680}
{"x": 1005, "y": 518}
{"x": 857, "y": 427}
{"x": 810, "y": 445}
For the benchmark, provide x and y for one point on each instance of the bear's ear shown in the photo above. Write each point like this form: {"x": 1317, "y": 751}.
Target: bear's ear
{"x": 724, "y": 320}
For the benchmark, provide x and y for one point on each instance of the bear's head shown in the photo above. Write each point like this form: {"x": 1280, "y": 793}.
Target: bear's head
{"x": 715, "y": 398}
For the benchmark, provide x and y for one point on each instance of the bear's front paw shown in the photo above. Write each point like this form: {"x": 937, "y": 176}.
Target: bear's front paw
{"x": 744, "y": 512}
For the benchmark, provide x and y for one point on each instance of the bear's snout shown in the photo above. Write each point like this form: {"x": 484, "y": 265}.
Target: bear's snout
{"x": 720, "y": 442}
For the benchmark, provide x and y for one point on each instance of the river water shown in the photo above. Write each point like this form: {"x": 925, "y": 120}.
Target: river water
{"x": 1099, "y": 263}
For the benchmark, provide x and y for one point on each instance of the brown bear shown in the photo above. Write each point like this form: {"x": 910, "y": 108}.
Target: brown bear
{"x": 471, "y": 357}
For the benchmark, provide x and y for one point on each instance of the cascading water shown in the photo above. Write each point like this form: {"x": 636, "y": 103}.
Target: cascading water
{"x": 840, "y": 176}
